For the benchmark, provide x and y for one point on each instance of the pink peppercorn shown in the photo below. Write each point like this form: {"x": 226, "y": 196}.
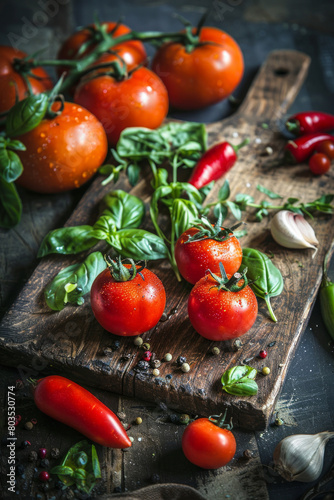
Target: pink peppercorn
{"x": 147, "y": 355}
{"x": 44, "y": 476}
{"x": 263, "y": 354}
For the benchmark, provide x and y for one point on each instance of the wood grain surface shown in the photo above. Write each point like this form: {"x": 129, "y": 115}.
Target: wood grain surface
{"x": 71, "y": 342}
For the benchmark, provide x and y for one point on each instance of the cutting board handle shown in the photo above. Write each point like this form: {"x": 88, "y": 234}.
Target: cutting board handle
{"x": 276, "y": 85}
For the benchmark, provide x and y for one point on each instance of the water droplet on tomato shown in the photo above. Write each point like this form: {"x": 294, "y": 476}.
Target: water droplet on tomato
{"x": 42, "y": 134}
{"x": 39, "y": 150}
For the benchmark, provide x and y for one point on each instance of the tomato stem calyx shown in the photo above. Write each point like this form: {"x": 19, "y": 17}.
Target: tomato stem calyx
{"x": 219, "y": 420}
{"x": 121, "y": 273}
{"x": 229, "y": 284}
{"x": 216, "y": 232}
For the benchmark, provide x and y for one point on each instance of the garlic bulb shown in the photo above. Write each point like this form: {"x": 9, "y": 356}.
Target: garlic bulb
{"x": 300, "y": 457}
{"x": 291, "y": 230}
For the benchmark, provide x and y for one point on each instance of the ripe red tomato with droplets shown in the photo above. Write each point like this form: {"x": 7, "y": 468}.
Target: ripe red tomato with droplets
{"x": 207, "y": 445}
{"x": 217, "y": 314}
{"x": 133, "y": 52}
{"x": 128, "y": 308}
{"x": 138, "y": 100}
{"x": 64, "y": 152}
{"x": 319, "y": 163}
{"x": 195, "y": 258}
{"x": 207, "y": 74}
{"x": 12, "y": 84}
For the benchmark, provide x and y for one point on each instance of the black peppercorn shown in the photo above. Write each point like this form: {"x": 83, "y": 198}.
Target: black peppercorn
{"x": 181, "y": 359}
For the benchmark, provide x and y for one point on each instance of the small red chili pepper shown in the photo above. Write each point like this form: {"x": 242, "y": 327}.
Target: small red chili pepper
{"x": 214, "y": 163}
{"x": 310, "y": 121}
{"x": 263, "y": 354}
{"x": 300, "y": 149}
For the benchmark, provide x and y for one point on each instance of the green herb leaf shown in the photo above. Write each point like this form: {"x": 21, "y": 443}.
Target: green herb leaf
{"x": 266, "y": 279}
{"x": 269, "y": 193}
{"x": 26, "y": 114}
{"x": 220, "y": 210}
{"x": 61, "y": 469}
{"x": 236, "y": 211}
{"x": 10, "y": 205}
{"x": 126, "y": 210}
{"x": 224, "y": 191}
{"x": 133, "y": 172}
{"x": 10, "y": 165}
{"x": 138, "y": 244}
{"x": 239, "y": 381}
{"x": 73, "y": 282}
{"x": 68, "y": 240}
{"x": 183, "y": 213}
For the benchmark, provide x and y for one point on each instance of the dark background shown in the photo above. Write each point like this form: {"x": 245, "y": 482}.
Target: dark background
{"x": 306, "y": 403}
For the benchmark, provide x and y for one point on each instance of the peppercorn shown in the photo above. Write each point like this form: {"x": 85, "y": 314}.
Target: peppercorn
{"x": 55, "y": 452}
{"x": 33, "y": 421}
{"x": 147, "y": 355}
{"x": 44, "y": 476}
{"x": 115, "y": 345}
{"x": 156, "y": 372}
{"x": 184, "y": 419}
{"x": 237, "y": 345}
{"x": 32, "y": 456}
{"x": 155, "y": 363}
{"x": 185, "y": 367}
{"x": 131, "y": 439}
{"x": 44, "y": 463}
{"x": 138, "y": 341}
{"x": 168, "y": 356}
{"x": 215, "y": 350}
{"x": 164, "y": 317}
{"x": 107, "y": 351}
{"x": 180, "y": 360}
{"x": 139, "y": 420}
{"x": 29, "y": 426}
{"x": 174, "y": 418}
{"x": 263, "y": 353}
{"x": 42, "y": 452}
{"x": 24, "y": 444}
{"x": 142, "y": 365}
{"x": 146, "y": 346}
{"x": 265, "y": 370}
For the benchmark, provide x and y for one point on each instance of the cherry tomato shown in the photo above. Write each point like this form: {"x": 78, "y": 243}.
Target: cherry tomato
{"x": 63, "y": 152}
{"x": 133, "y": 52}
{"x": 139, "y": 100}
{"x": 71, "y": 404}
{"x": 204, "y": 76}
{"x": 12, "y": 82}
{"x": 218, "y": 314}
{"x": 207, "y": 445}
{"x": 195, "y": 258}
{"x": 327, "y": 148}
{"x": 319, "y": 163}
{"x": 128, "y": 307}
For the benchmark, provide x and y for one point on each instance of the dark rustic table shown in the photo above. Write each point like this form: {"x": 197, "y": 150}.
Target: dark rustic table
{"x": 306, "y": 402}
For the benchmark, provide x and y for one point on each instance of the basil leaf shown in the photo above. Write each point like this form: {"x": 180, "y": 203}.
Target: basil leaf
{"x": 269, "y": 193}
{"x": 104, "y": 228}
{"x": 16, "y": 145}
{"x": 73, "y": 282}
{"x": 224, "y": 191}
{"x": 183, "y": 213}
{"x": 68, "y": 240}
{"x": 220, "y": 210}
{"x": 10, "y": 205}
{"x": 10, "y": 165}
{"x": 26, "y": 114}
{"x": 239, "y": 381}
{"x": 139, "y": 244}
{"x": 236, "y": 211}
{"x": 266, "y": 278}
{"x": 125, "y": 209}
{"x": 179, "y": 134}
{"x": 133, "y": 172}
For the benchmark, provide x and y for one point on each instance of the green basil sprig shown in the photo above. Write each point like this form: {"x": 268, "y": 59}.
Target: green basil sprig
{"x": 80, "y": 467}
{"x": 27, "y": 114}
{"x": 125, "y": 209}
{"x": 266, "y": 279}
{"x": 239, "y": 381}
{"x": 138, "y": 244}
{"x": 10, "y": 205}
{"x": 72, "y": 283}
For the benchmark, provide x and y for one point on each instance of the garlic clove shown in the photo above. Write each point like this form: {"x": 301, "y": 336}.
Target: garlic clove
{"x": 300, "y": 457}
{"x": 291, "y": 230}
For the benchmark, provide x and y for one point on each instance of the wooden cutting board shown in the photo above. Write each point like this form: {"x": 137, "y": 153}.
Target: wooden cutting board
{"x": 39, "y": 341}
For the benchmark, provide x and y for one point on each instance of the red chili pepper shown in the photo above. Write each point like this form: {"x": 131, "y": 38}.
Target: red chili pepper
{"x": 300, "y": 149}
{"x": 71, "y": 404}
{"x": 310, "y": 121}
{"x": 214, "y": 163}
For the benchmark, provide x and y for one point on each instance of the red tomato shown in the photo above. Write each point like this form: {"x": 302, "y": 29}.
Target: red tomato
{"x": 71, "y": 404}
{"x": 327, "y": 148}
{"x": 133, "y": 52}
{"x": 195, "y": 258}
{"x": 128, "y": 307}
{"x": 207, "y": 445}
{"x": 218, "y": 314}
{"x": 319, "y": 163}
{"x": 204, "y": 76}
{"x": 12, "y": 83}
{"x": 140, "y": 100}
{"x": 63, "y": 152}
